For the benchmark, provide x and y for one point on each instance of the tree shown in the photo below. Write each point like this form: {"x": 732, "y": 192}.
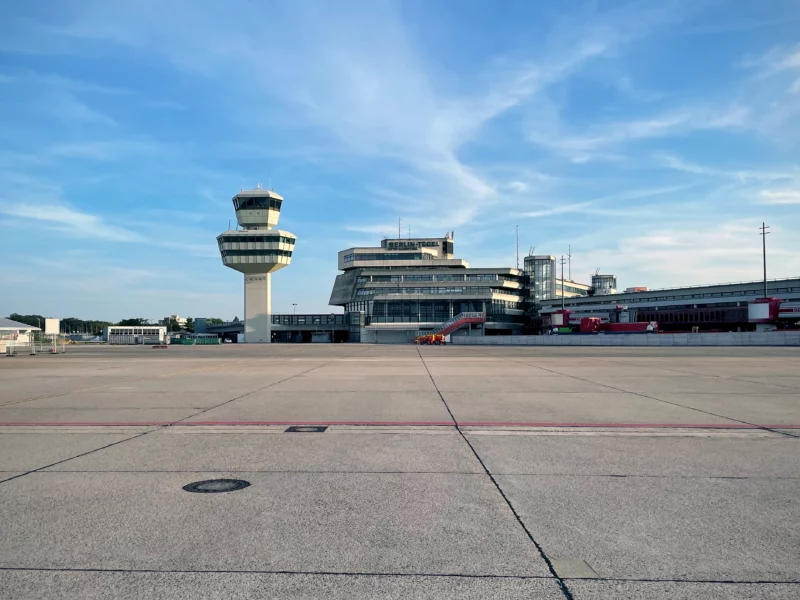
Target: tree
{"x": 32, "y": 320}
{"x": 189, "y": 325}
{"x": 132, "y": 322}
{"x": 214, "y": 321}
{"x": 235, "y": 319}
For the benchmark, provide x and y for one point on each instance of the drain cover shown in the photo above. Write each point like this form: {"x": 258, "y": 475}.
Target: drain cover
{"x": 306, "y": 429}
{"x": 215, "y": 486}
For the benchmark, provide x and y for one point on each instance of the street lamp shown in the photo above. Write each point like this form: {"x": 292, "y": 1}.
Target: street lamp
{"x": 294, "y": 304}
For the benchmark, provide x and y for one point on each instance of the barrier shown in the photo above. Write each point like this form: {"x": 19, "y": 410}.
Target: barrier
{"x": 733, "y": 338}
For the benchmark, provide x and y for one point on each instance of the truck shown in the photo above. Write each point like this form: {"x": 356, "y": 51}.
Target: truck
{"x": 431, "y": 339}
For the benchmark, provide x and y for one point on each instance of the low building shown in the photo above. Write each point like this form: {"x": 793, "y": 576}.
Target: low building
{"x": 14, "y": 333}
{"x": 140, "y": 334}
{"x": 413, "y": 285}
{"x": 715, "y": 307}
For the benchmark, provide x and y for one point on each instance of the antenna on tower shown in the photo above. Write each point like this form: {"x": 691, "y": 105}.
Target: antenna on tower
{"x": 518, "y": 246}
{"x": 399, "y": 224}
{"x": 409, "y": 232}
{"x": 258, "y": 185}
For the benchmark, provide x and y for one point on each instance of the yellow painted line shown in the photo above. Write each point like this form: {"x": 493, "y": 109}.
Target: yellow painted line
{"x": 116, "y": 383}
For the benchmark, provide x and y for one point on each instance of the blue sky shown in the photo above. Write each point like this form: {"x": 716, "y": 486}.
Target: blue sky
{"x": 654, "y": 137}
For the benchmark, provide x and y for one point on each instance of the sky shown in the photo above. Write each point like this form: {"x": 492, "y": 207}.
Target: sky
{"x": 651, "y": 138}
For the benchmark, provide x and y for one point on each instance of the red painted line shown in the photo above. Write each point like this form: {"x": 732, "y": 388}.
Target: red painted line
{"x": 538, "y": 424}
{"x": 87, "y": 424}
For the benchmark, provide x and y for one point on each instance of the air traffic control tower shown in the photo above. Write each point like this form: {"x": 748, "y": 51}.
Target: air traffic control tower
{"x": 257, "y": 250}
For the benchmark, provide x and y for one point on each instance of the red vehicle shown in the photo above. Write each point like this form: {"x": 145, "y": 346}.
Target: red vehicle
{"x": 593, "y": 325}
{"x": 432, "y": 339}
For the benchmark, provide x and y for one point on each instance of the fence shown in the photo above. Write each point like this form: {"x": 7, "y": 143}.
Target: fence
{"x": 42, "y": 344}
{"x": 733, "y": 338}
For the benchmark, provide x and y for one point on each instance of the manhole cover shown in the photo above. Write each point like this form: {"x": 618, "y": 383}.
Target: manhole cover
{"x": 215, "y": 486}
{"x": 306, "y": 429}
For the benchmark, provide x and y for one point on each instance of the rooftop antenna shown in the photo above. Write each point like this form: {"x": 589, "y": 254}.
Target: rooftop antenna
{"x": 229, "y": 224}
{"x": 409, "y": 232}
{"x": 258, "y": 185}
{"x": 517, "y": 246}
{"x": 569, "y": 257}
{"x": 399, "y": 224}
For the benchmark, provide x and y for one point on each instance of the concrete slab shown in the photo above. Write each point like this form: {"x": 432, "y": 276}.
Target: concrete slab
{"x": 671, "y": 590}
{"x": 535, "y": 407}
{"x": 374, "y": 523}
{"x": 19, "y": 413}
{"x": 333, "y": 404}
{"x": 683, "y": 384}
{"x": 782, "y": 379}
{"x": 783, "y": 409}
{"x": 331, "y": 381}
{"x": 26, "y": 451}
{"x": 33, "y": 585}
{"x": 665, "y": 528}
{"x": 718, "y": 454}
{"x": 189, "y": 449}
{"x": 487, "y": 382}
{"x": 124, "y": 397}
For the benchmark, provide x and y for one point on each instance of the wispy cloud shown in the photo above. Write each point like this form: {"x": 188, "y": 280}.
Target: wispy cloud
{"x": 780, "y": 60}
{"x": 781, "y": 196}
{"x": 67, "y": 220}
{"x": 67, "y": 107}
{"x": 613, "y": 134}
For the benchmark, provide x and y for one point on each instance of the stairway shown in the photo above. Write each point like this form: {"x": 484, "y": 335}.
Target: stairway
{"x": 456, "y": 322}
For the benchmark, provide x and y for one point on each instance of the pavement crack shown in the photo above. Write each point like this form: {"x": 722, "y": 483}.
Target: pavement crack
{"x": 561, "y": 583}
{"x": 706, "y": 412}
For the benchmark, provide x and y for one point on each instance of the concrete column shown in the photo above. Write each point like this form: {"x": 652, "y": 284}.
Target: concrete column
{"x": 258, "y": 308}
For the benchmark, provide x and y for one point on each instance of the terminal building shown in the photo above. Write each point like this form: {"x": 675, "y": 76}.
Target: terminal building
{"x": 406, "y": 286}
{"x": 714, "y": 307}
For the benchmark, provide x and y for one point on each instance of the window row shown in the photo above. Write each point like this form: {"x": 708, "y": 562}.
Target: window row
{"x": 256, "y": 202}
{"x": 423, "y": 290}
{"x": 256, "y": 238}
{"x": 257, "y": 252}
{"x": 133, "y": 331}
{"x": 335, "y": 319}
{"x": 387, "y": 256}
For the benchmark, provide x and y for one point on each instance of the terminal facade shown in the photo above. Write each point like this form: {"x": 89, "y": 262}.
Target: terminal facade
{"x": 405, "y": 286}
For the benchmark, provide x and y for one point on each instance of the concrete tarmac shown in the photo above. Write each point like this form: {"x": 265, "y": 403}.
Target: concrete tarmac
{"x": 440, "y": 472}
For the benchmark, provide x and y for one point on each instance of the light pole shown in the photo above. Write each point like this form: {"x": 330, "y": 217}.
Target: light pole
{"x": 562, "y": 281}
{"x": 764, "y": 233}
{"x": 333, "y": 326}
{"x": 294, "y": 304}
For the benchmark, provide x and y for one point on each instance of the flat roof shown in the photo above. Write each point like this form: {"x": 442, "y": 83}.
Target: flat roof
{"x": 258, "y": 192}
{"x": 9, "y": 324}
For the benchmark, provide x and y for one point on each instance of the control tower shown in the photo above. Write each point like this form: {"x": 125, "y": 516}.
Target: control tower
{"x": 257, "y": 250}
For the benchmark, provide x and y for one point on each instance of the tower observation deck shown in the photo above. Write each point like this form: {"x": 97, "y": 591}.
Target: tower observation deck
{"x": 257, "y": 250}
